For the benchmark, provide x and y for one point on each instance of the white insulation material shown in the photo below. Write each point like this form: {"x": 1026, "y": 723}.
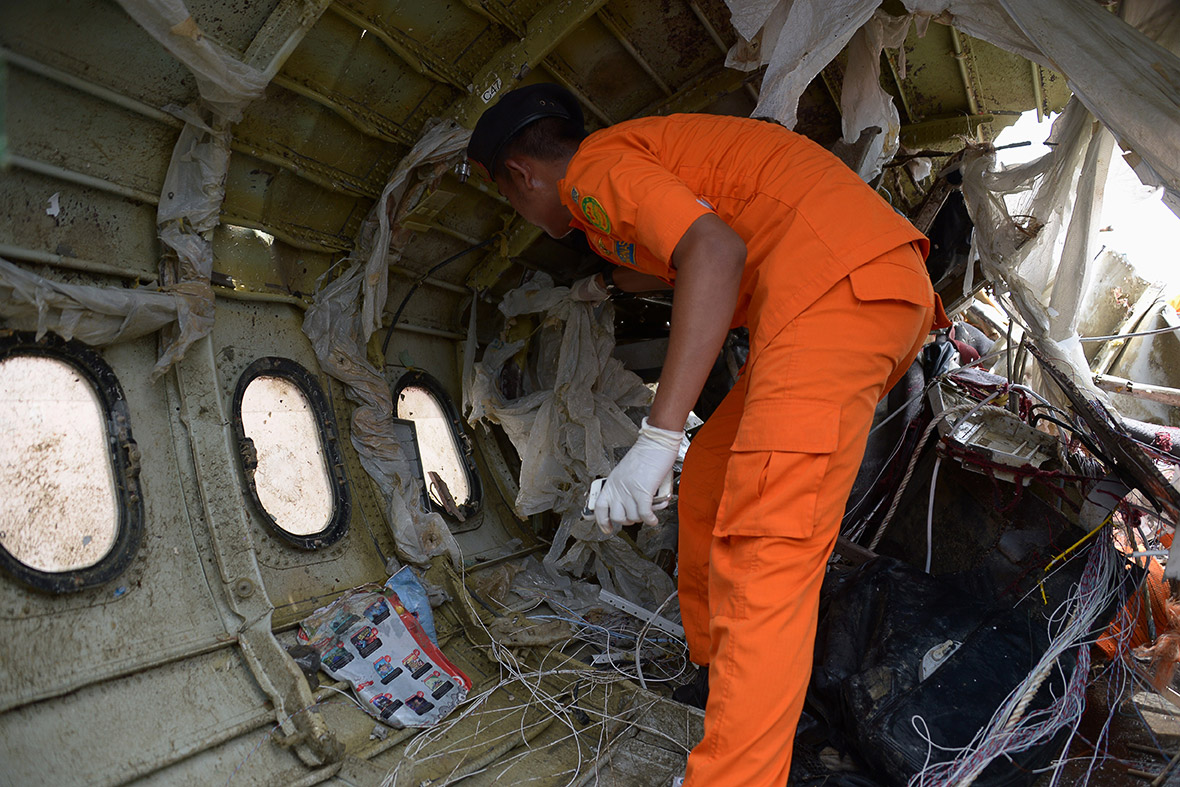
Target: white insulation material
{"x": 864, "y": 104}
{"x": 194, "y": 187}
{"x": 569, "y": 429}
{"x": 794, "y": 39}
{"x": 1115, "y": 67}
{"x": 1038, "y": 249}
{"x": 1136, "y": 94}
{"x": 345, "y": 314}
{"x": 226, "y": 84}
{"x": 1129, "y": 83}
{"x": 95, "y": 315}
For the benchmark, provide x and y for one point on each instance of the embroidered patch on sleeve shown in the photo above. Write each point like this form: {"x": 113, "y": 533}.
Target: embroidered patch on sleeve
{"x": 595, "y": 214}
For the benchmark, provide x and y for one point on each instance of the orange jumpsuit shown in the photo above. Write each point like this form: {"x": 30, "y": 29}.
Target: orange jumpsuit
{"x": 838, "y": 303}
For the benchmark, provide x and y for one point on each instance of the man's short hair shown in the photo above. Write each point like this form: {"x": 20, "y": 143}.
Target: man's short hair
{"x": 547, "y": 139}
{"x": 514, "y": 114}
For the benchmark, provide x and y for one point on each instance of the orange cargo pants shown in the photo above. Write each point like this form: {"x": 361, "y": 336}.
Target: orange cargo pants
{"x": 761, "y": 498}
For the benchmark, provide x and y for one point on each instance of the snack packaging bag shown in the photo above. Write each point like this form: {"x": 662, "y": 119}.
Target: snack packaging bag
{"x": 376, "y": 643}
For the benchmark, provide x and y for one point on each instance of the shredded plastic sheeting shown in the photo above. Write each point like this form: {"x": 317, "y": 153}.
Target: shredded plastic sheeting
{"x": 194, "y": 187}
{"x": 94, "y": 315}
{"x": 1042, "y": 257}
{"x": 863, "y": 102}
{"x": 189, "y": 210}
{"x": 569, "y": 430}
{"x": 341, "y": 320}
{"x": 382, "y": 239}
{"x": 795, "y": 39}
{"x": 1128, "y": 81}
{"x": 226, "y": 84}
{"x": 983, "y": 19}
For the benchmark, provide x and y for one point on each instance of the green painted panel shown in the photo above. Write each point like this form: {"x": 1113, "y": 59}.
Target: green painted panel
{"x": 605, "y": 71}
{"x": 123, "y": 57}
{"x": 58, "y": 125}
{"x": 362, "y": 73}
{"x": 90, "y": 224}
{"x": 259, "y": 193}
{"x": 291, "y": 129}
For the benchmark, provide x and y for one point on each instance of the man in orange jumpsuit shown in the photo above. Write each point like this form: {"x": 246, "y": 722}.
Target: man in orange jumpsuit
{"x": 752, "y": 225}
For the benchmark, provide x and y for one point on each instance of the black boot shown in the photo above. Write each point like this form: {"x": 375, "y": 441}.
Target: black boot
{"x": 695, "y": 693}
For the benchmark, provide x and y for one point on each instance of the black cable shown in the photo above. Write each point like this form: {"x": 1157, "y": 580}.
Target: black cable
{"x": 418, "y": 282}
{"x": 1078, "y": 433}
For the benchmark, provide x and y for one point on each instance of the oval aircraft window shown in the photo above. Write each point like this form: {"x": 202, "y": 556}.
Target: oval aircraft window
{"x": 70, "y": 512}
{"x": 287, "y": 444}
{"x": 451, "y": 476}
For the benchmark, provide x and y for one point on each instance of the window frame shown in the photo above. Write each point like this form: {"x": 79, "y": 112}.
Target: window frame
{"x": 124, "y": 457}
{"x": 466, "y": 451}
{"x": 309, "y": 386}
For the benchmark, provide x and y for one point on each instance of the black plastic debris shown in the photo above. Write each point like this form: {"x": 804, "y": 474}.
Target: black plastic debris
{"x": 901, "y": 655}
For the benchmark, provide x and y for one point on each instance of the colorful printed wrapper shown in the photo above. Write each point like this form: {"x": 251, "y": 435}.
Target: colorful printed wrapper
{"x": 372, "y": 640}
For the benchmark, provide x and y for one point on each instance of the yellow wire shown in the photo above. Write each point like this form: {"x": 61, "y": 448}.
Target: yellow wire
{"x": 1081, "y": 541}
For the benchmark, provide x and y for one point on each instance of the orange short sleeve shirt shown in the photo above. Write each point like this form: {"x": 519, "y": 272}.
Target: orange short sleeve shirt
{"x": 807, "y": 220}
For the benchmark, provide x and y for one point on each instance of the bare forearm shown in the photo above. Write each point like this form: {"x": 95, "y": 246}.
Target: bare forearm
{"x": 709, "y": 262}
{"x": 629, "y": 280}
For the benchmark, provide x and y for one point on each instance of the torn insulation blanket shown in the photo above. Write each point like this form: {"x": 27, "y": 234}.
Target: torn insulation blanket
{"x": 1116, "y": 68}
{"x": 194, "y": 186}
{"x": 570, "y": 429}
{"x": 226, "y": 84}
{"x": 97, "y": 316}
{"x": 1035, "y": 225}
{"x": 339, "y": 323}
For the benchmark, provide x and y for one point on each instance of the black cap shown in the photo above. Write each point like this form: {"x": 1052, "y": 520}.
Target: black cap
{"x": 508, "y": 117}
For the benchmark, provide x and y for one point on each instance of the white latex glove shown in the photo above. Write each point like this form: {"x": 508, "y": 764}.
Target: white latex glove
{"x": 589, "y": 289}
{"x": 646, "y": 470}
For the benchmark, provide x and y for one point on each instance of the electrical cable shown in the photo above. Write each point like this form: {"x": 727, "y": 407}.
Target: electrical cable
{"x": 418, "y": 282}
{"x": 1013, "y": 728}
{"x": 930, "y": 514}
{"x": 1115, "y": 336}
{"x": 905, "y": 479}
{"x": 643, "y": 633}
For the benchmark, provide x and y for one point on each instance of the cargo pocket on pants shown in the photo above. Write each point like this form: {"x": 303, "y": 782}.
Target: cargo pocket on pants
{"x": 777, "y": 464}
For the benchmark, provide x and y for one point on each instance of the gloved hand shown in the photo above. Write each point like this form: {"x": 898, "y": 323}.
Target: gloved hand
{"x": 629, "y": 489}
{"x": 589, "y": 289}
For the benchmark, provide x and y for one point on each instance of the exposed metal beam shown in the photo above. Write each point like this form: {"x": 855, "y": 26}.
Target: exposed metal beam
{"x": 1038, "y": 83}
{"x": 299, "y": 237}
{"x": 1154, "y": 393}
{"x": 407, "y": 273}
{"x": 81, "y": 179}
{"x": 966, "y": 70}
{"x": 513, "y": 62}
{"x": 521, "y": 235}
{"x": 308, "y": 169}
{"x": 282, "y": 32}
{"x": 320, "y": 175}
{"x": 833, "y": 82}
{"x": 939, "y": 129}
{"x": 903, "y": 89}
{"x": 73, "y": 263}
{"x": 417, "y": 56}
{"x": 425, "y": 331}
{"x": 564, "y": 77}
{"x": 704, "y": 20}
{"x": 356, "y": 114}
{"x": 90, "y": 88}
{"x": 499, "y": 13}
{"x": 615, "y": 26}
{"x": 701, "y": 91}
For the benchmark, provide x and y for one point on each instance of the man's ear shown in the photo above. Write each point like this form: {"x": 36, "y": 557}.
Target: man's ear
{"x": 521, "y": 172}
